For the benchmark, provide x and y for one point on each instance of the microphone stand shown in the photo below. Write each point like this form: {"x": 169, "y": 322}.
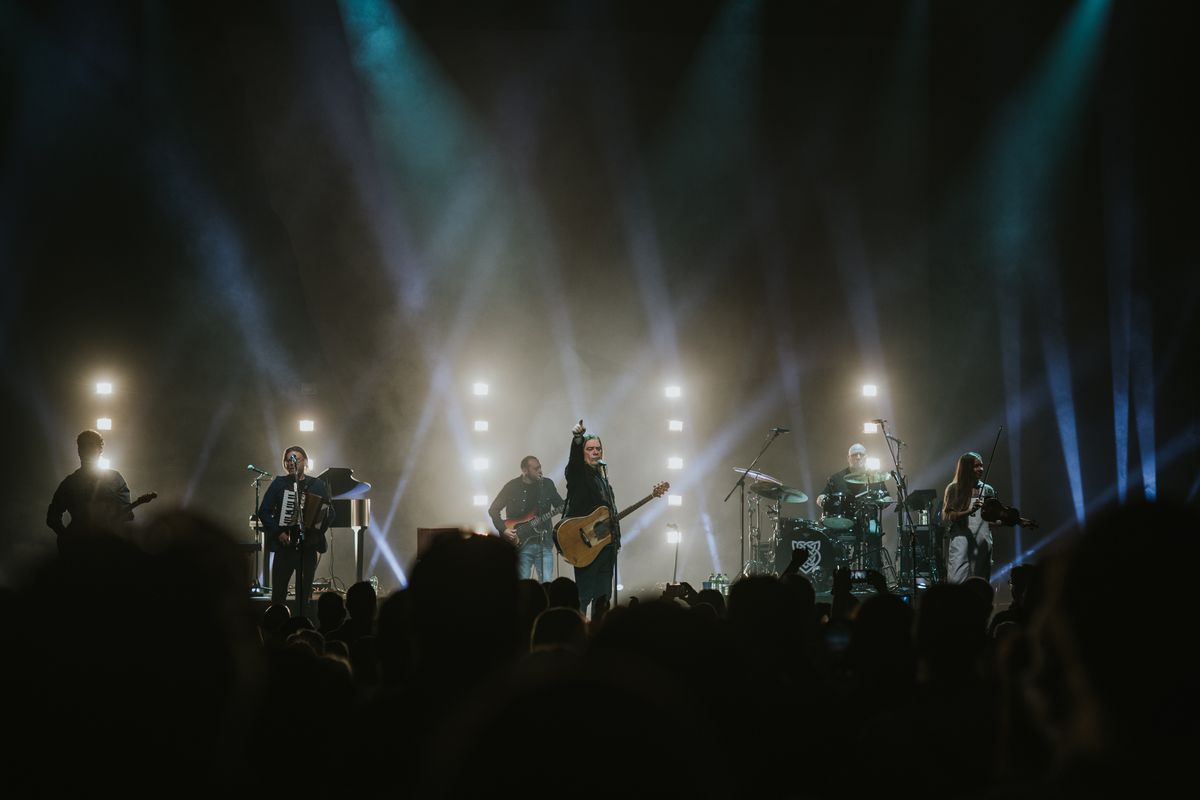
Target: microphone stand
{"x": 299, "y": 544}
{"x": 258, "y": 589}
{"x": 772, "y": 435}
{"x": 906, "y": 526}
{"x": 615, "y": 521}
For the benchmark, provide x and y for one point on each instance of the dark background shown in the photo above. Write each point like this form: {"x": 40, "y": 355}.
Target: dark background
{"x": 350, "y": 212}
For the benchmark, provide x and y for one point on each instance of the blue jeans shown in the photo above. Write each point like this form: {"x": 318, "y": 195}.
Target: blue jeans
{"x": 536, "y": 554}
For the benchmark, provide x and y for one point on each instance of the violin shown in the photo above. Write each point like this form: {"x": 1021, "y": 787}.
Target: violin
{"x": 995, "y": 511}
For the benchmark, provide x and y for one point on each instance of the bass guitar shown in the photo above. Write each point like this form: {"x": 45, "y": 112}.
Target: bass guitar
{"x": 528, "y": 526}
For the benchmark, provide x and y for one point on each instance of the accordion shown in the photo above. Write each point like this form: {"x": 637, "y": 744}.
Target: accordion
{"x": 314, "y": 509}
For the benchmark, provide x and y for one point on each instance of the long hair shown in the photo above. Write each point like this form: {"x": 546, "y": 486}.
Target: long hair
{"x": 964, "y": 479}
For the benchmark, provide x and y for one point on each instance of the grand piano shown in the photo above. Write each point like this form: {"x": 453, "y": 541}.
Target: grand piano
{"x": 351, "y": 508}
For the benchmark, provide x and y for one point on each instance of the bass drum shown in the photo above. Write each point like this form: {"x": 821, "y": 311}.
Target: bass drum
{"x": 820, "y": 558}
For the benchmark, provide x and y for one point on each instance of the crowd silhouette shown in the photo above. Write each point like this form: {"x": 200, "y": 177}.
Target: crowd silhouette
{"x": 135, "y": 664}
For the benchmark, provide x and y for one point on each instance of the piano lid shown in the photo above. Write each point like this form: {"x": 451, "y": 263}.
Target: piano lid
{"x": 342, "y": 483}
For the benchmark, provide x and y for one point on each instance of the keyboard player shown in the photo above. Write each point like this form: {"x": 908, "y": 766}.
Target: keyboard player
{"x": 290, "y": 500}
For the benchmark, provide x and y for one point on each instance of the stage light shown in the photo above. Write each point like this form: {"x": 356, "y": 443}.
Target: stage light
{"x": 673, "y": 391}
{"x": 481, "y": 425}
{"x": 873, "y": 464}
{"x": 620, "y": 587}
{"x": 870, "y": 390}
{"x": 307, "y": 425}
{"x": 104, "y": 463}
{"x": 104, "y": 424}
{"x": 480, "y": 463}
{"x": 674, "y": 462}
{"x": 480, "y": 389}
{"x": 479, "y": 500}
{"x": 675, "y": 425}
{"x": 104, "y": 388}
{"x": 675, "y": 500}
{"x": 870, "y": 427}
{"x": 673, "y": 536}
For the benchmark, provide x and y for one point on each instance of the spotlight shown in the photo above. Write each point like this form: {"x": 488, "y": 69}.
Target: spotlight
{"x": 873, "y": 464}
{"x": 673, "y": 391}
{"x": 481, "y": 425}
{"x": 307, "y": 425}
{"x": 104, "y": 388}
{"x": 104, "y": 424}
{"x": 674, "y": 499}
{"x": 104, "y": 463}
{"x": 870, "y": 390}
{"x": 479, "y": 500}
{"x": 480, "y": 463}
{"x": 673, "y": 536}
{"x": 674, "y": 462}
{"x": 870, "y": 427}
{"x": 480, "y": 389}
{"x": 675, "y": 425}
{"x": 620, "y": 587}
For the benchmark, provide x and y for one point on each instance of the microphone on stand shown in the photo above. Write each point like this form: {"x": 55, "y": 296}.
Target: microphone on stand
{"x": 252, "y": 468}
{"x": 781, "y": 430}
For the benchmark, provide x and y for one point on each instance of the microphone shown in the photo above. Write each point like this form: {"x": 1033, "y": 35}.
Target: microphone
{"x": 601, "y": 462}
{"x": 253, "y": 468}
{"x": 896, "y": 440}
{"x": 293, "y": 458}
{"x": 781, "y": 430}
{"x": 879, "y": 421}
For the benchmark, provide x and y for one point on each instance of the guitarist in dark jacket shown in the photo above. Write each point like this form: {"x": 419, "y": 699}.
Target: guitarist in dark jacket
{"x": 525, "y": 495}
{"x": 587, "y": 490}
{"x": 96, "y": 498}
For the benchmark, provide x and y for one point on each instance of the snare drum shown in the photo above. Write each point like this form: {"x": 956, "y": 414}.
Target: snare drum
{"x": 797, "y": 534}
{"x": 839, "y": 511}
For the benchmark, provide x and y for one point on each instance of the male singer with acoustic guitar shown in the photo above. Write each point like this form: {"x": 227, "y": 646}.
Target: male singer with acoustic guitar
{"x": 587, "y": 490}
{"x": 529, "y": 501}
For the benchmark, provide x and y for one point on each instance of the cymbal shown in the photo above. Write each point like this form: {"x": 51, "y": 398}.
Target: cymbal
{"x": 867, "y": 477}
{"x": 778, "y": 492}
{"x": 755, "y": 475}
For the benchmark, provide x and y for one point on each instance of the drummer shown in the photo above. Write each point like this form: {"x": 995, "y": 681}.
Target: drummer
{"x": 852, "y": 504}
{"x": 857, "y": 460}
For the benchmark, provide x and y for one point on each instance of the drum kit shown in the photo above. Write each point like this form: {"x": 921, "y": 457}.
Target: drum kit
{"x": 848, "y": 533}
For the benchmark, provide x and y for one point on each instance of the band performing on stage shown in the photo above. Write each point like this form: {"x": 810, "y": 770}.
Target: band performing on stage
{"x": 946, "y": 542}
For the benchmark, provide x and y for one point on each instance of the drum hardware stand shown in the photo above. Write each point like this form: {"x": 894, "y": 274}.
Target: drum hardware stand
{"x": 755, "y": 565}
{"x": 772, "y": 435}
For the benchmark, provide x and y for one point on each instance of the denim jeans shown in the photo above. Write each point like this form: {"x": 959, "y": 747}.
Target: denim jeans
{"x": 539, "y": 555}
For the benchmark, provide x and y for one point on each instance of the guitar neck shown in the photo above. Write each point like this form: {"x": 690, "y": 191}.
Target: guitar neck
{"x": 635, "y": 506}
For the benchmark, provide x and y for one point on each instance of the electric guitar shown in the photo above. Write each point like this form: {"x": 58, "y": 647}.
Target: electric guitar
{"x": 528, "y": 526}
{"x": 580, "y": 539}
{"x": 146, "y": 498}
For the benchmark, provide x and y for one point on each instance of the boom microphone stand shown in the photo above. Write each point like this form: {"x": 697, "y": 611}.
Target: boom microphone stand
{"x": 772, "y": 435}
